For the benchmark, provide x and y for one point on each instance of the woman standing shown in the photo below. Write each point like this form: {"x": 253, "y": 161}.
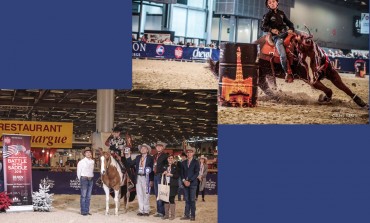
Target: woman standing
{"x": 202, "y": 176}
{"x": 171, "y": 172}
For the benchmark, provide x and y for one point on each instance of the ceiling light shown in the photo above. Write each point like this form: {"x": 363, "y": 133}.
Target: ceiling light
{"x": 26, "y": 98}
{"x": 179, "y": 100}
{"x": 56, "y": 91}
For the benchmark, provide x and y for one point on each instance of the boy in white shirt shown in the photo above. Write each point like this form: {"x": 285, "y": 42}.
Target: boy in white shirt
{"x": 85, "y": 173}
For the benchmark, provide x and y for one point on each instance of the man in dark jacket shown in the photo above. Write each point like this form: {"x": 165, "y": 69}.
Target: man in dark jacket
{"x": 277, "y": 23}
{"x": 160, "y": 160}
{"x": 189, "y": 174}
{"x": 144, "y": 171}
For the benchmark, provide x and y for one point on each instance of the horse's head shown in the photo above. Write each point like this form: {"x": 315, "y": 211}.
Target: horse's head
{"x": 304, "y": 43}
{"x": 106, "y": 160}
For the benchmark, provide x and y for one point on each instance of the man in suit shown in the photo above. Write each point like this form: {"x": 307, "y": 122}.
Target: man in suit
{"x": 144, "y": 171}
{"x": 189, "y": 175}
{"x": 160, "y": 160}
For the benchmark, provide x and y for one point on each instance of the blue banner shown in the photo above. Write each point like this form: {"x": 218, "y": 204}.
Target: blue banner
{"x": 347, "y": 64}
{"x": 151, "y": 50}
{"x": 161, "y": 51}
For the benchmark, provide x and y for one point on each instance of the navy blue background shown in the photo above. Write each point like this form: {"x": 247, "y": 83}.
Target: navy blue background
{"x": 75, "y": 44}
{"x": 294, "y": 173}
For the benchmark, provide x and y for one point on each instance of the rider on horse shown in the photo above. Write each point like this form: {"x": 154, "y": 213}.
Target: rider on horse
{"x": 116, "y": 146}
{"x": 276, "y": 22}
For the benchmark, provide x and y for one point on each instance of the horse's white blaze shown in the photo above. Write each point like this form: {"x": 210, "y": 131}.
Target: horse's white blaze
{"x": 102, "y": 165}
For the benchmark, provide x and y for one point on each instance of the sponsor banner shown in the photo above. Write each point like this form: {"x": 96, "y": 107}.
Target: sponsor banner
{"x": 18, "y": 168}
{"x": 140, "y": 49}
{"x": 194, "y": 53}
{"x": 67, "y": 182}
{"x": 347, "y": 64}
{"x": 43, "y": 134}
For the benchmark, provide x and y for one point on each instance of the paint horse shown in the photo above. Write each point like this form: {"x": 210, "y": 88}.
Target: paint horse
{"x": 115, "y": 179}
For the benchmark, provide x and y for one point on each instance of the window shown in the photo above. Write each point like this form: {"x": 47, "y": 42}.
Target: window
{"x": 196, "y": 23}
{"x": 196, "y": 3}
{"x": 244, "y": 31}
{"x": 178, "y": 21}
{"x": 153, "y": 22}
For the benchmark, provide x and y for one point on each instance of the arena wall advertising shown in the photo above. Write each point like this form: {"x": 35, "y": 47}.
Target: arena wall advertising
{"x": 18, "y": 171}
{"x": 161, "y": 51}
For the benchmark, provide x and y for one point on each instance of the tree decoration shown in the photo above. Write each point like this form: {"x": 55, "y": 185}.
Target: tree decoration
{"x": 42, "y": 200}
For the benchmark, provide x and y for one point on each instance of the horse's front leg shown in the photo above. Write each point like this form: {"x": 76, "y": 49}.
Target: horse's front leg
{"x": 334, "y": 77}
{"x": 106, "y": 190}
{"x": 116, "y": 201}
{"x": 328, "y": 92}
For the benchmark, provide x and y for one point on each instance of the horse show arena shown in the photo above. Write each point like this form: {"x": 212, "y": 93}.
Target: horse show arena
{"x": 67, "y": 208}
{"x": 299, "y": 105}
{"x": 165, "y": 74}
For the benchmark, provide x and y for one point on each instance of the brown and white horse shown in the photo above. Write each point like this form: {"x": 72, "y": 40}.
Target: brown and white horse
{"x": 113, "y": 178}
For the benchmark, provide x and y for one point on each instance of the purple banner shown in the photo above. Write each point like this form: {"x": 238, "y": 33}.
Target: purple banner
{"x": 17, "y": 168}
{"x": 67, "y": 182}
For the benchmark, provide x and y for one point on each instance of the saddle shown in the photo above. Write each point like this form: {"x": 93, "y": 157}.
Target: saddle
{"x": 269, "y": 52}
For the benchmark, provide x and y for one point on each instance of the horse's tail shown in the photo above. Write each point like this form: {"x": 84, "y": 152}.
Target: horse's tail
{"x": 213, "y": 66}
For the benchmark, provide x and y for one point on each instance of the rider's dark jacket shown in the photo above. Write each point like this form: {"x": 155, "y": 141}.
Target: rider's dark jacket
{"x": 114, "y": 144}
{"x": 276, "y": 20}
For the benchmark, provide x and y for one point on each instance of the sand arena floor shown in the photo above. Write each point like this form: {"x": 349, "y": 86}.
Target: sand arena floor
{"x": 299, "y": 105}
{"x": 67, "y": 208}
{"x": 163, "y": 74}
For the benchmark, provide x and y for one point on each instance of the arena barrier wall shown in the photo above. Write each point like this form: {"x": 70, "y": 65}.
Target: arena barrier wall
{"x": 343, "y": 64}
{"x": 161, "y": 51}
{"x": 68, "y": 183}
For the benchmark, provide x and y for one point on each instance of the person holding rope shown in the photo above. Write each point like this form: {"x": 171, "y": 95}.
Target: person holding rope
{"x": 144, "y": 177}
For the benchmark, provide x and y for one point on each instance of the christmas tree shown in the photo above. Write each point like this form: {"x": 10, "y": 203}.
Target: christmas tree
{"x": 42, "y": 200}
{"x": 5, "y": 201}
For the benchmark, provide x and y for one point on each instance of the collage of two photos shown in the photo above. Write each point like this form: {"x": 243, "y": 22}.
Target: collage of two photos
{"x": 150, "y": 153}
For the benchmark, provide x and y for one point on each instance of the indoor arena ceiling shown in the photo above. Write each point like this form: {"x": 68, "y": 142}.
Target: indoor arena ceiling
{"x": 167, "y": 115}
{"x": 361, "y": 5}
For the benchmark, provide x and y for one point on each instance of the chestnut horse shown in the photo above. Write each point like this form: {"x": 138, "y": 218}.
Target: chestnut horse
{"x": 300, "y": 49}
{"x": 113, "y": 178}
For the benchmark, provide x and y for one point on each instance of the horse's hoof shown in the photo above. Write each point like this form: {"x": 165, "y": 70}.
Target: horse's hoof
{"x": 359, "y": 101}
{"x": 289, "y": 78}
{"x": 106, "y": 213}
{"x": 324, "y": 98}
